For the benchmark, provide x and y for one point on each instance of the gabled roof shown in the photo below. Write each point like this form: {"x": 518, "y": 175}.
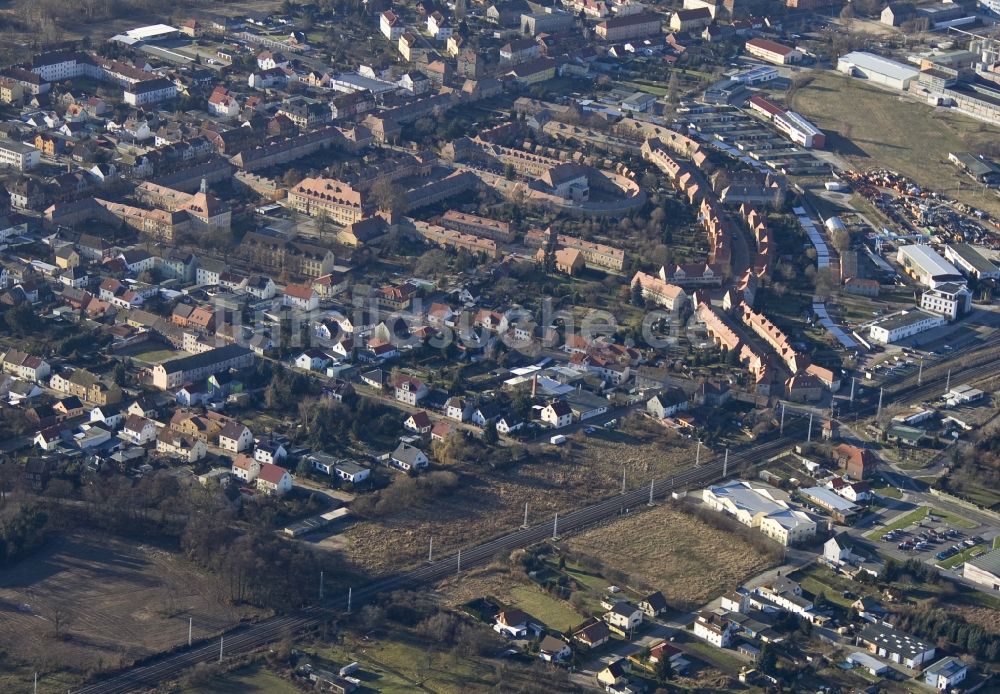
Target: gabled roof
{"x": 271, "y": 474}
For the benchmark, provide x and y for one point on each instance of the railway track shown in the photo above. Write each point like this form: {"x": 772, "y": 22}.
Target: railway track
{"x": 974, "y": 363}
{"x": 252, "y": 637}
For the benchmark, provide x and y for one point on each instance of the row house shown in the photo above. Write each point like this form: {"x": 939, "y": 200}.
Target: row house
{"x": 776, "y": 338}
{"x": 448, "y": 238}
{"x": 29, "y": 367}
{"x": 479, "y": 226}
{"x": 86, "y": 386}
{"x": 294, "y": 256}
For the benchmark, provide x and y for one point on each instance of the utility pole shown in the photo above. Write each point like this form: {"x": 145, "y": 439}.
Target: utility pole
{"x": 623, "y": 479}
{"x": 781, "y": 429}
{"x": 555, "y": 528}
{"x": 947, "y": 385}
{"x": 725, "y": 463}
{"x": 525, "y": 526}
{"x": 853, "y": 381}
{"x": 879, "y": 412}
{"x": 697, "y": 454}
{"x": 36, "y": 683}
{"x": 320, "y": 585}
{"x": 459, "y": 564}
{"x": 650, "y": 492}
{"x": 222, "y": 640}
{"x": 350, "y": 596}
{"x": 430, "y": 551}
{"x": 920, "y": 372}
{"x": 190, "y": 629}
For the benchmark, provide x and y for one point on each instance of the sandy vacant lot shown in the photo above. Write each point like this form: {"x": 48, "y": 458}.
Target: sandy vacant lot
{"x": 671, "y": 550}
{"x": 87, "y": 602}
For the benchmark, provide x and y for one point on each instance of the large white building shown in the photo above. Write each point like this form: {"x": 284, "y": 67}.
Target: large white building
{"x": 951, "y": 300}
{"x": 799, "y": 130}
{"x": 924, "y": 265}
{"x": 984, "y": 570}
{"x": 18, "y": 155}
{"x": 971, "y": 262}
{"x": 763, "y": 507}
{"x": 902, "y": 325}
{"x": 877, "y": 69}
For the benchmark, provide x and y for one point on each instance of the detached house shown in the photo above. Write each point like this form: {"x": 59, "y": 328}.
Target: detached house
{"x": 418, "y": 423}
{"x": 623, "y": 617}
{"x": 557, "y": 414}
{"x": 717, "y": 629}
{"x": 235, "y": 437}
{"x": 301, "y": 296}
{"x": 653, "y": 604}
{"x": 245, "y": 468}
{"x": 176, "y": 445}
{"x": 553, "y": 650}
{"x": 138, "y": 430}
{"x": 274, "y": 480}
{"x": 667, "y": 404}
{"x": 438, "y": 27}
{"x": 408, "y": 458}
{"x": 390, "y": 25}
{"x": 409, "y": 390}
{"x": 593, "y": 635}
{"x": 269, "y": 451}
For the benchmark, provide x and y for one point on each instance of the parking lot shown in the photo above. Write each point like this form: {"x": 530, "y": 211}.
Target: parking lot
{"x": 933, "y": 536}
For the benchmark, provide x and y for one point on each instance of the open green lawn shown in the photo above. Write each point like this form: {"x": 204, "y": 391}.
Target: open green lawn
{"x": 890, "y": 492}
{"x": 871, "y": 127}
{"x": 952, "y": 519}
{"x": 818, "y": 579}
{"x": 646, "y": 87}
{"x": 400, "y": 666}
{"x": 725, "y": 660}
{"x": 255, "y": 678}
{"x": 155, "y": 356}
{"x": 903, "y": 521}
{"x": 557, "y": 614}
{"x": 962, "y": 556}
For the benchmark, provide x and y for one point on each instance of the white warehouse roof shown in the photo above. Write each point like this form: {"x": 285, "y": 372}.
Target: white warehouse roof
{"x": 927, "y": 259}
{"x": 880, "y": 65}
{"x": 799, "y": 122}
{"x": 151, "y": 31}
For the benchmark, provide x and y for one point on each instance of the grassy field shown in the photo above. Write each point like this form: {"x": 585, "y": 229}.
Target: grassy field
{"x": 669, "y": 550}
{"x": 492, "y": 501}
{"x": 962, "y": 556}
{"x": 904, "y": 521}
{"x": 952, "y": 519}
{"x": 255, "y": 679}
{"x": 555, "y": 613}
{"x": 890, "y": 492}
{"x": 401, "y": 666}
{"x": 155, "y": 356}
{"x": 871, "y": 127}
{"x": 114, "y": 602}
{"x": 817, "y": 579}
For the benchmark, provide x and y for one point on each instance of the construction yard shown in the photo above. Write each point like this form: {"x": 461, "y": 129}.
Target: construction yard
{"x": 83, "y": 604}
{"x": 872, "y": 127}
{"x": 491, "y": 502}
